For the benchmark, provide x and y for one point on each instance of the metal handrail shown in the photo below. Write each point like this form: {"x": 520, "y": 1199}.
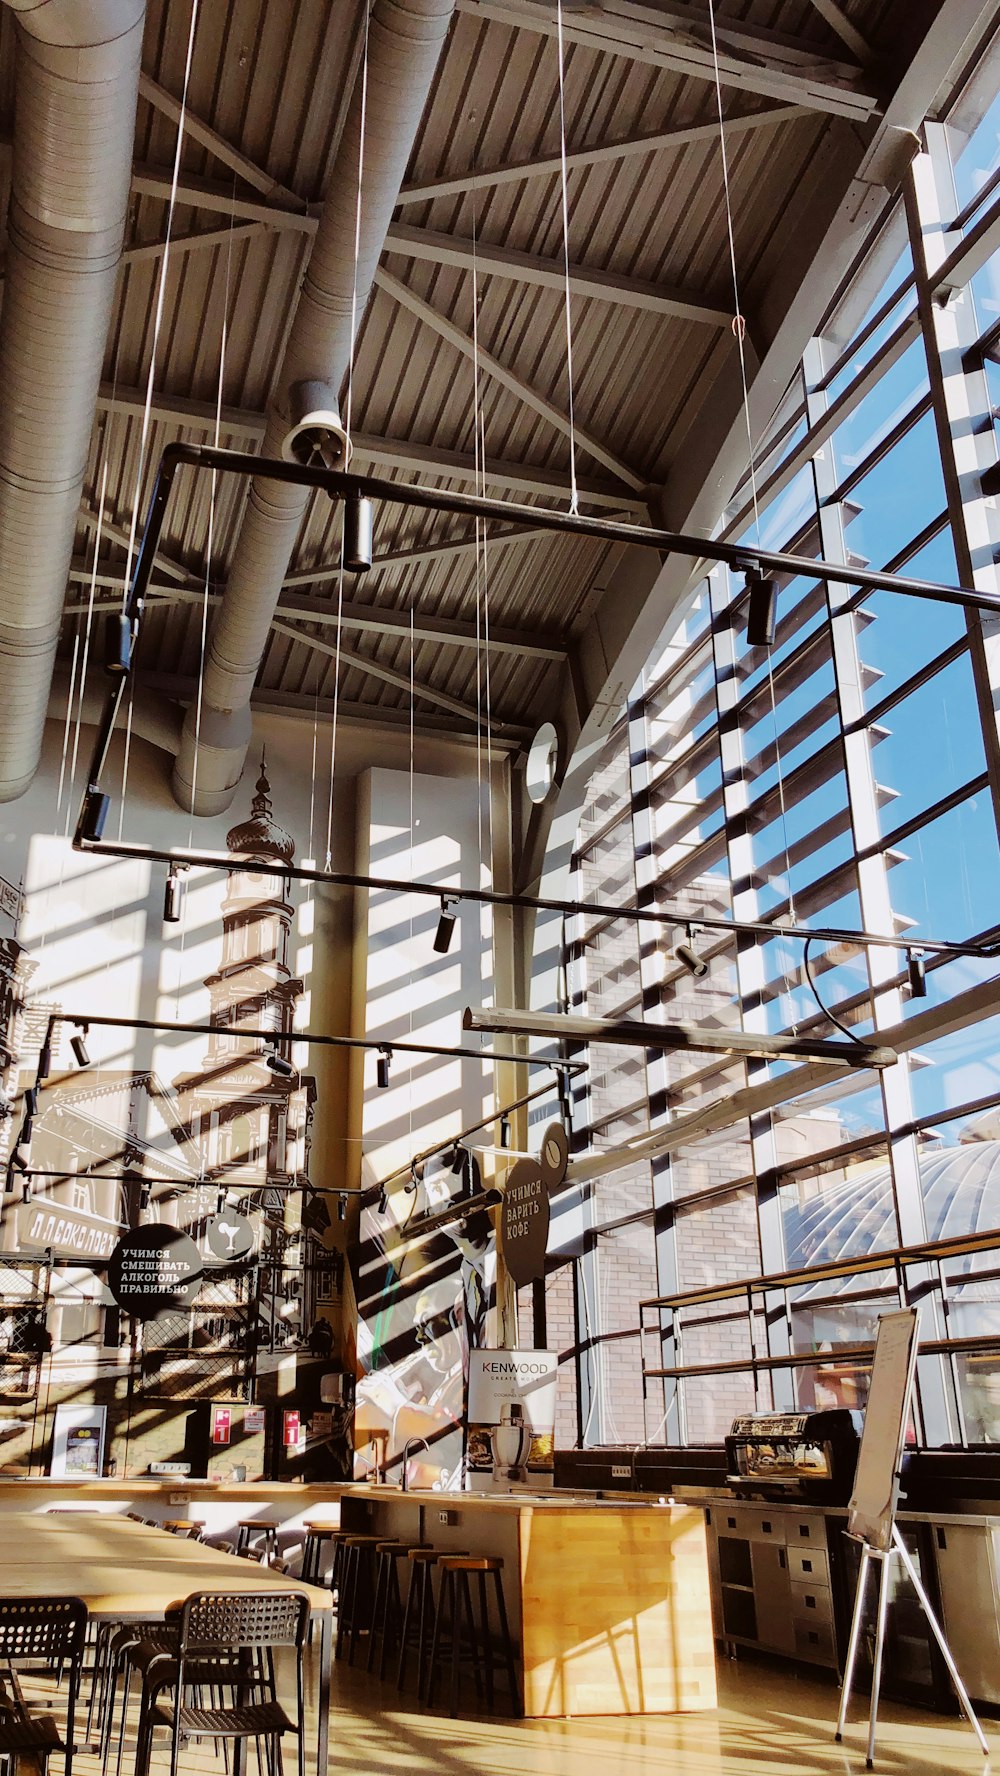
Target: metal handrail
{"x": 895, "y": 1258}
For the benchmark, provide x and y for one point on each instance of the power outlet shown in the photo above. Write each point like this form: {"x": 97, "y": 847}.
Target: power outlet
{"x": 178, "y": 1498}
{"x": 621, "y": 1473}
{"x": 449, "y": 1518}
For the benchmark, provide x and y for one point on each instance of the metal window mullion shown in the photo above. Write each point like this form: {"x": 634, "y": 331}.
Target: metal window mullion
{"x": 750, "y": 965}
{"x": 862, "y": 793}
{"x": 963, "y": 418}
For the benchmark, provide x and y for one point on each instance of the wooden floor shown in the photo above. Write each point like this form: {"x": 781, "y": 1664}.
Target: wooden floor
{"x": 768, "y": 1720}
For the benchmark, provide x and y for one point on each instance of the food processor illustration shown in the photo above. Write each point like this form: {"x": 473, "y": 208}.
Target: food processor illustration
{"x": 511, "y": 1440}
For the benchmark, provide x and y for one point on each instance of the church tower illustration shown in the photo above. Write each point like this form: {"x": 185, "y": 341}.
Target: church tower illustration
{"x": 251, "y": 1123}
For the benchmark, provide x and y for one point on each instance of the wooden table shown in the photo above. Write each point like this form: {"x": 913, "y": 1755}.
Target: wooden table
{"x": 608, "y": 1599}
{"x": 127, "y": 1572}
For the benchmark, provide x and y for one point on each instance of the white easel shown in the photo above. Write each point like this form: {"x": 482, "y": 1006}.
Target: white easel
{"x": 872, "y": 1511}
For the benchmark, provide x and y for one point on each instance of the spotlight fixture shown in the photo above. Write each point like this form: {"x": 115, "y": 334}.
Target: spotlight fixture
{"x": 78, "y": 1044}
{"x": 382, "y": 1072}
{"x": 762, "y": 608}
{"x": 26, "y": 1188}
{"x": 118, "y": 645}
{"x": 44, "y": 1067}
{"x": 357, "y": 533}
{"x": 687, "y": 955}
{"x": 172, "y": 899}
{"x": 145, "y": 1193}
{"x": 383, "y": 1201}
{"x": 445, "y": 926}
{"x": 505, "y": 1130}
{"x": 341, "y": 1208}
{"x": 916, "y": 969}
{"x": 30, "y": 1104}
{"x": 278, "y": 1065}
{"x": 94, "y": 813}
{"x": 491, "y": 1197}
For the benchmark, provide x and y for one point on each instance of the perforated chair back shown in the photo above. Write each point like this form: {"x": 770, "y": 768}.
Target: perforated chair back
{"x": 218, "y": 1621}
{"x": 42, "y": 1628}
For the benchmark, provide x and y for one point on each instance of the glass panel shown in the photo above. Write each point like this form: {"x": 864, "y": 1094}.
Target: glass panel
{"x": 894, "y": 395}
{"x": 836, "y": 1209}
{"x": 928, "y": 745}
{"x": 978, "y": 159}
{"x": 957, "y": 1069}
{"x": 892, "y": 503}
{"x": 908, "y": 632}
{"x": 944, "y": 875}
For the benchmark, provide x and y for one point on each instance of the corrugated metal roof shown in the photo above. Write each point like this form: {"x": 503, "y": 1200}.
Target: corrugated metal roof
{"x": 272, "y": 78}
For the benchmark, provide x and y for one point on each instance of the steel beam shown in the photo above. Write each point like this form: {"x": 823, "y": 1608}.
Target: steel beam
{"x": 628, "y": 1033}
{"x": 463, "y": 254}
{"x": 515, "y": 385}
{"x": 391, "y": 453}
{"x": 547, "y": 166}
{"x": 677, "y": 37}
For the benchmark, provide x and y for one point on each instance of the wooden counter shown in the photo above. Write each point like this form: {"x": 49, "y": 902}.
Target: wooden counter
{"x": 608, "y": 1601}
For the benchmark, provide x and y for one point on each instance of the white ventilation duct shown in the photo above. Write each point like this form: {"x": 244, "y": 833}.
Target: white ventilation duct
{"x": 405, "y": 39}
{"x": 74, "y": 120}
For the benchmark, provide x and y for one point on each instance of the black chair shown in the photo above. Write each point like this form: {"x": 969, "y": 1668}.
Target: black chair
{"x": 51, "y": 1630}
{"x": 225, "y": 1641}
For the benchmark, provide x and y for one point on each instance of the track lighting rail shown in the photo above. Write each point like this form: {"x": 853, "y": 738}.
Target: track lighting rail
{"x": 357, "y": 491}
{"x": 987, "y": 946}
{"x": 268, "y": 1039}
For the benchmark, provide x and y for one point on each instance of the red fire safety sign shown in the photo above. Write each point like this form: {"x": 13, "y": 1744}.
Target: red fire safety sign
{"x": 221, "y": 1421}
{"x": 291, "y": 1430}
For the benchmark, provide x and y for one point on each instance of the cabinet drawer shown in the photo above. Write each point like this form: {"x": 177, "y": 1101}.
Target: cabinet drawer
{"x": 811, "y": 1604}
{"x": 814, "y": 1641}
{"x": 810, "y": 1565}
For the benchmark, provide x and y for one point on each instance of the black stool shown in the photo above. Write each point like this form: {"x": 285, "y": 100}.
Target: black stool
{"x": 254, "y": 1526}
{"x": 356, "y": 1585}
{"x": 387, "y": 1605}
{"x": 316, "y": 1534}
{"x": 419, "y": 1614}
{"x": 455, "y": 1607}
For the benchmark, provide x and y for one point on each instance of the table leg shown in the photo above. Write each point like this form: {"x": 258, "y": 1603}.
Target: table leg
{"x": 323, "y": 1692}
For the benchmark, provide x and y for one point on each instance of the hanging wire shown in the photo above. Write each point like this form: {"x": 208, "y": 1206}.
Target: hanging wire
{"x": 210, "y": 541}
{"x": 480, "y": 482}
{"x": 151, "y": 377}
{"x": 573, "y": 500}
{"x": 349, "y": 410}
{"x": 739, "y": 328}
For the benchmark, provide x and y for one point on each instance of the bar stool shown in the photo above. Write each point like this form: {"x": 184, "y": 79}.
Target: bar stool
{"x": 356, "y": 1588}
{"x": 387, "y": 1604}
{"x": 189, "y": 1527}
{"x": 455, "y": 1603}
{"x": 317, "y": 1533}
{"x": 264, "y": 1526}
{"x": 419, "y": 1614}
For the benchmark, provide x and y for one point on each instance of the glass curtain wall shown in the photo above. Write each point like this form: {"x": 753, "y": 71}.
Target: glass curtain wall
{"x": 848, "y": 777}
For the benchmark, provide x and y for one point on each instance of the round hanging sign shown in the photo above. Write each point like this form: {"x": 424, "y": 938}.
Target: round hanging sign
{"x": 154, "y": 1269}
{"x": 230, "y": 1236}
{"x": 554, "y": 1156}
{"x": 524, "y": 1221}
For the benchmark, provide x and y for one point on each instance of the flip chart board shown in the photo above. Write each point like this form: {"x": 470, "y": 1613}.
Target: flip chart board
{"x": 876, "y": 1481}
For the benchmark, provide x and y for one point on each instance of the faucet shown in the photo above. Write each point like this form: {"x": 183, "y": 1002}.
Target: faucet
{"x": 411, "y": 1443}
{"x": 635, "y": 1452}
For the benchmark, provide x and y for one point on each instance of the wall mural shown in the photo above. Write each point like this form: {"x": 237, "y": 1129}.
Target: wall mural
{"x": 221, "y": 1142}
{"x": 423, "y": 1297}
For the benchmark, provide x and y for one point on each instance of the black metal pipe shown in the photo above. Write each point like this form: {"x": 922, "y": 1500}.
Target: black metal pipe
{"x": 667, "y": 542}
{"x": 224, "y": 860}
{"x": 341, "y": 486}
{"x": 274, "y": 1037}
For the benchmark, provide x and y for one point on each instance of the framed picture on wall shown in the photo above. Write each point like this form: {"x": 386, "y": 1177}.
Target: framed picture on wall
{"x": 78, "y": 1442}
